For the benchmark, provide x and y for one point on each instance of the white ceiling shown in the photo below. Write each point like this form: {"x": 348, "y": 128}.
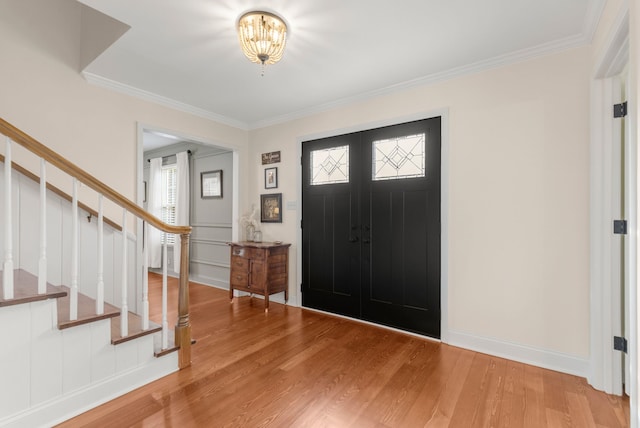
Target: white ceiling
{"x": 186, "y": 53}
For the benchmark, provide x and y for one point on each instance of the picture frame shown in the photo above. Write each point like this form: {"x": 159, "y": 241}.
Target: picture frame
{"x": 271, "y": 208}
{"x": 271, "y": 178}
{"x": 211, "y": 184}
{"x": 271, "y": 157}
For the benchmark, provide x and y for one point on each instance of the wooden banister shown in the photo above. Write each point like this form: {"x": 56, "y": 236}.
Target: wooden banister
{"x": 61, "y": 193}
{"x": 84, "y": 177}
{"x": 183, "y": 326}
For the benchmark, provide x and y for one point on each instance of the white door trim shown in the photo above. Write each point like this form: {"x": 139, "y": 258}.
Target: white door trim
{"x": 235, "y": 189}
{"x": 605, "y": 369}
{"x": 605, "y": 304}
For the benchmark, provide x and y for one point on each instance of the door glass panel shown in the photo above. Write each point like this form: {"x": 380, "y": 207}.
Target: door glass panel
{"x": 401, "y": 157}
{"x": 330, "y": 166}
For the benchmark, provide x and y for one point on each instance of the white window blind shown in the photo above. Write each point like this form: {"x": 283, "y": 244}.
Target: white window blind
{"x": 169, "y": 200}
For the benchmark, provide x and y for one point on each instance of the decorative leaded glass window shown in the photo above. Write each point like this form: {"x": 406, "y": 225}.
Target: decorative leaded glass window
{"x": 401, "y": 157}
{"x": 330, "y": 166}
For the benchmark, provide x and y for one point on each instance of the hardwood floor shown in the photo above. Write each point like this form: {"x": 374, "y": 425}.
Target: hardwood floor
{"x": 297, "y": 368}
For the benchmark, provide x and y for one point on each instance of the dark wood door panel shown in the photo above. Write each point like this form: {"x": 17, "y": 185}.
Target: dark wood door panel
{"x": 371, "y": 247}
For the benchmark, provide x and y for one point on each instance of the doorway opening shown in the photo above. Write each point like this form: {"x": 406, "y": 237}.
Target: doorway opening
{"x": 210, "y": 217}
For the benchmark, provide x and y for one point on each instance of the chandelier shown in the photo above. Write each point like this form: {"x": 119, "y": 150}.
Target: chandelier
{"x": 263, "y": 36}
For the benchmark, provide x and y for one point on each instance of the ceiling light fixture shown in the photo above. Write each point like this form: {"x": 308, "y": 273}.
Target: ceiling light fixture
{"x": 263, "y": 36}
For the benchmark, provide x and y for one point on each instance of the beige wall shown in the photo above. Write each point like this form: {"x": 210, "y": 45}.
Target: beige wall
{"x": 43, "y": 93}
{"x": 518, "y": 194}
{"x": 518, "y": 166}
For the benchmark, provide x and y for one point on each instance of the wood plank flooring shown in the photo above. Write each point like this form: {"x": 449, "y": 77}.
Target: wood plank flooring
{"x": 297, "y": 368}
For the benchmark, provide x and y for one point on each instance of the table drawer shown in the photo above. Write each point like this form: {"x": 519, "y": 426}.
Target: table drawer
{"x": 254, "y": 253}
{"x": 239, "y": 264}
{"x": 239, "y": 278}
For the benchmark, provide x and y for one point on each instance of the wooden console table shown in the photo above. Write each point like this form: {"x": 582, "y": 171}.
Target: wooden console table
{"x": 259, "y": 268}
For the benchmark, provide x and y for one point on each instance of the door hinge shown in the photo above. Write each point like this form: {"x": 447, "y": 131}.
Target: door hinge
{"x": 620, "y": 110}
{"x": 620, "y": 227}
{"x": 620, "y": 344}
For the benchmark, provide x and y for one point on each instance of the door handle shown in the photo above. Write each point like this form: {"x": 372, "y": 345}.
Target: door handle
{"x": 352, "y": 237}
{"x": 366, "y": 236}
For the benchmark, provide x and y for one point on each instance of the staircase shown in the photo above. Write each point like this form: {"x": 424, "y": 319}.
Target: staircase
{"x": 68, "y": 347}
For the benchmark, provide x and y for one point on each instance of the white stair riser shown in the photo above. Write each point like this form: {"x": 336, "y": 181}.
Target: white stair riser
{"x": 44, "y": 364}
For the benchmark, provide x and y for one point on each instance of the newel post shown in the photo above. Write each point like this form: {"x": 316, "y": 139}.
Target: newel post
{"x": 183, "y": 326}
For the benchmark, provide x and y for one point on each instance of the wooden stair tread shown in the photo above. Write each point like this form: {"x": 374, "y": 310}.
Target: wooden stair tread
{"x": 135, "y": 328}
{"x": 159, "y": 352}
{"x": 26, "y": 289}
{"x": 157, "y": 344}
{"x": 86, "y": 311}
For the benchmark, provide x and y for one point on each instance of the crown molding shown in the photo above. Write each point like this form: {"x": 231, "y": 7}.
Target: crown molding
{"x": 103, "y": 82}
{"x": 477, "y": 67}
{"x": 592, "y": 18}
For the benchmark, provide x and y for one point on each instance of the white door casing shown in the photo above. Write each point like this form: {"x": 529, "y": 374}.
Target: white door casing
{"x": 606, "y": 202}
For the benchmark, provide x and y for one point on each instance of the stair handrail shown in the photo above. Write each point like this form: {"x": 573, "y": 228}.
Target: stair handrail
{"x": 73, "y": 170}
{"x": 183, "y": 326}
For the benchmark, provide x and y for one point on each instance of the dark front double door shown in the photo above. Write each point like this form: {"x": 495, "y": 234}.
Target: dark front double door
{"x": 371, "y": 225}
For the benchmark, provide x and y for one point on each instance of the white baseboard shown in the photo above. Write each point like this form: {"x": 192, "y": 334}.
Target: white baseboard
{"x": 522, "y": 353}
{"x": 69, "y": 405}
{"x": 204, "y": 280}
{"x": 211, "y": 282}
{"x": 538, "y": 357}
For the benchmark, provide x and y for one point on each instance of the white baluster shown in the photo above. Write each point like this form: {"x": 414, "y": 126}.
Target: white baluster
{"x": 165, "y": 323}
{"x": 100, "y": 289}
{"x": 145, "y": 279}
{"x": 7, "y": 278}
{"x": 42, "y": 264}
{"x": 73, "y": 297}
{"x": 124, "y": 311}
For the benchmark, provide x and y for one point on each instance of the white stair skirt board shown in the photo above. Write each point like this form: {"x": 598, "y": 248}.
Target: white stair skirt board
{"x": 57, "y": 374}
{"x": 63, "y": 408}
{"x": 539, "y": 357}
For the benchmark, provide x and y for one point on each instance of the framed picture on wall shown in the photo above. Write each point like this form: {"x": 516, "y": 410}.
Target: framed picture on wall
{"x": 211, "y": 184}
{"x": 271, "y": 208}
{"x": 271, "y": 157}
{"x": 271, "y": 178}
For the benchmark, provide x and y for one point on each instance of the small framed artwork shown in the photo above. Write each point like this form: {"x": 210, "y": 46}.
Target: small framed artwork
{"x": 211, "y": 184}
{"x": 271, "y": 157}
{"x": 271, "y": 208}
{"x": 271, "y": 178}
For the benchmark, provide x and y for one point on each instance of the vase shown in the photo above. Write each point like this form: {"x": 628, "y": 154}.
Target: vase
{"x": 249, "y": 232}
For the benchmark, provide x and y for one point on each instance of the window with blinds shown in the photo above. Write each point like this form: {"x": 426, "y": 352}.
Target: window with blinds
{"x": 169, "y": 200}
